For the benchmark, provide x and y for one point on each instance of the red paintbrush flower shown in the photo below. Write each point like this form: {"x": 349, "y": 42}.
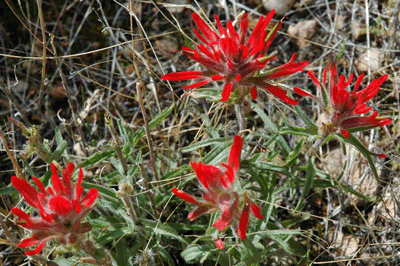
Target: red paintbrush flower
{"x": 61, "y": 209}
{"x": 237, "y": 58}
{"x": 346, "y": 111}
{"x": 220, "y": 195}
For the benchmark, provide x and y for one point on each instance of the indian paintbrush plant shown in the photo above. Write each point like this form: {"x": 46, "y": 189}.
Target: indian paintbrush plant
{"x": 221, "y": 195}
{"x": 60, "y": 209}
{"x": 238, "y": 59}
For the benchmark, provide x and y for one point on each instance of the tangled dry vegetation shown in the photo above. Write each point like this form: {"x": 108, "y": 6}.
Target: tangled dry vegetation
{"x": 68, "y": 67}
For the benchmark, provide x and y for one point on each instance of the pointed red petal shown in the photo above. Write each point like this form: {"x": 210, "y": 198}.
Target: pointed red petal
{"x": 217, "y": 77}
{"x": 228, "y": 179}
{"x": 90, "y": 198}
{"x": 281, "y": 94}
{"x": 253, "y": 93}
{"x": 55, "y": 179}
{"x": 219, "y": 243}
{"x": 244, "y": 220}
{"x": 185, "y": 196}
{"x": 256, "y": 210}
{"x": 66, "y": 180}
{"x": 183, "y": 75}
{"x": 79, "y": 188}
{"x": 227, "y": 216}
{"x": 200, "y": 210}
{"x": 196, "y": 85}
{"x": 208, "y": 175}
{"x": 40, "y": 185}
{"x": 345, "y": 133}
{"x": 226, "y": 91}
{"x": 234, "y": 154}
{"x": 301, "y": 92}
{"x": 208, "y": 33}
{"x": 28, "y": 242}
{"x": 21, "y": 214}
{"x": 28, "y": 192}
{"x": 36, "y": 250}
{"x": 358, "y": 82}
{"x": 314, "y": 79}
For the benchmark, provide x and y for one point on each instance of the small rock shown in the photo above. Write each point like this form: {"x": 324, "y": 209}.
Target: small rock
{"x": 345, "y": 245}
{"x": 19, "y": 85}
{"x": 304, "y": 3}
{"x": 58, "y": 92}
{"x": 166, "y": 46}
{"x": 356, "y": 30}
{"x": 280, "y": 6}
{"x": 303, "y": 31}
{"x": 340, "y": 22}
{"x": 372, "y": 58}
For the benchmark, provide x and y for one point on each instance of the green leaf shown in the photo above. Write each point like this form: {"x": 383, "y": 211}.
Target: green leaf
{"x": 187, "y": 227}
{"x": 266, "y": 166}
{"x": 281, "y": 233}
{"x": 195, "y": 253}
{"x": 211, "y": 94}
{"x": 120, "y": 252}
{"x": 56, "y": 155}
{"x": 298, "y": 131}
{"x": 97, "y": 157}
{"x": 162, "y": 230}
{"x": 106, "y": 193}
{"x": 313, "y": 128}
{"x": 284, "y": 240}
{"x": 270, "y": 126}
{"x": 307, "y": 185}
{"x": 357, "y": 144}
{"x": 218, "y": 154}
{"x": 166, "y": 257}
{"x": 74, "y": 261}
{"x": 328, "y": 184}
{"x": 250, "y": 254}
{"x": 7, "y": 191}
{"x": 203, "y": 143}
{"x": 137, "y": 135}
{"x": 58, "y": 137}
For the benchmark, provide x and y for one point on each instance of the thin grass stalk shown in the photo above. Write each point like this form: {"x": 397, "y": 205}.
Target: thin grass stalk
{"x": 75, "y": 115}
{"x": 148, "y": 190}
{"x": 114, "y": 134}
{"x": 44, "y": 44}
{"x": 240, "y": 117}
{"x": 11, "y": 155}
{"x": 11, "y": 97}
{"x": 139, "y": 86}
{"x": 132, "y": 212}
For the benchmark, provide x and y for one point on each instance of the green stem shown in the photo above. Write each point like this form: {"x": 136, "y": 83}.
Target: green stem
{"x": 240, "y": 117}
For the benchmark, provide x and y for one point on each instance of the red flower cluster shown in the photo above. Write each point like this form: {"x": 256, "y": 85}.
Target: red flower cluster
{"x": 61, "y": 209}
{"x": 220, "y": 195}
{"x": 347, "y": 110}
{"x": 237, "y": 59}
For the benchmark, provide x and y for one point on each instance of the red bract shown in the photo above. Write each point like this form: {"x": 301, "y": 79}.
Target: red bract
{"x": 237, "y": 58}
{"x": 347, "y": 110}
{"x": 220, "y": 194}
{"x": 61, "y": 209}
